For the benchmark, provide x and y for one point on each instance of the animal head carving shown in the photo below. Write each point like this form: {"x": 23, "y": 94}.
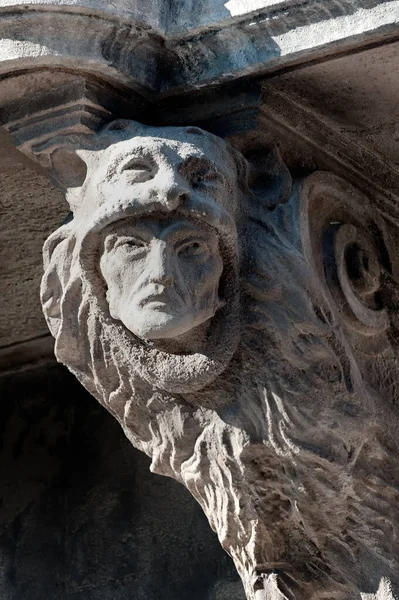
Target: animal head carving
{"x": 153, "y": 250}
{"x": 218, "y": 314}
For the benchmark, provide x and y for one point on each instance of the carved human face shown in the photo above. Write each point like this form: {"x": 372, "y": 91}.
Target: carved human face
{"x": 162, "y": 275}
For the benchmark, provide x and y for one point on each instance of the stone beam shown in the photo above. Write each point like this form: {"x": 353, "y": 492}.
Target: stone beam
{"x": 168, "y": 48}
{"x": 38, "y": 106}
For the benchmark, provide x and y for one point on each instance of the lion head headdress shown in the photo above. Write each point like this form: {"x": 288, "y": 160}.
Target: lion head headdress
{"x": 73, "y": 291}
{"x": 257, "y": 418}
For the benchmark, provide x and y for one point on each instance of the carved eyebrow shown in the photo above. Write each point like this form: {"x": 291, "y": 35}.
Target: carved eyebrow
{"x": 186, "y": 232}
{"x": 200, "y": 165}
{"x": 177, "y": 232}
{"x": 138, "y": 231}
{"x": 125, "y": 233}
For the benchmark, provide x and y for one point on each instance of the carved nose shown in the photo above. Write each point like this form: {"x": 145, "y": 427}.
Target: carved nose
{"x": 165, "y": 279}
{"x": 161, "y": 268}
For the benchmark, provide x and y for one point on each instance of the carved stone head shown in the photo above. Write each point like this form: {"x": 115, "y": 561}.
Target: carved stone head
{"x": 162, "y": 265}
{"x": 153, "y": 251}
{"x": 154, "y": 239}
{"x": 230, "y": 333}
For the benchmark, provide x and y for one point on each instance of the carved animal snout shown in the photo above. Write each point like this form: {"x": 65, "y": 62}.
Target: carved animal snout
{"x": 173, "y": 191}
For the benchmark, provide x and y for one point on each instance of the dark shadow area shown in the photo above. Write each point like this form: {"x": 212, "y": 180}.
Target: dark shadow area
{"x": 81, "y": 515}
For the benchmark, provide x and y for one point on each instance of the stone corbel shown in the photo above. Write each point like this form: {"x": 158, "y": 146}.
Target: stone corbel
{"x": 241, "y": 328}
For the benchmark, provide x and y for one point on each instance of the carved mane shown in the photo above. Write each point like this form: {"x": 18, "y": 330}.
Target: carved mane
{"x": 262, "y": 444}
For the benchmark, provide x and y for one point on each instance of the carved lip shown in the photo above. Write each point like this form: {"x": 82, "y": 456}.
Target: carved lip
{"x": 159, "y": 299}
{"x": 154, "y": 303}
{"x": 155, "y": 299}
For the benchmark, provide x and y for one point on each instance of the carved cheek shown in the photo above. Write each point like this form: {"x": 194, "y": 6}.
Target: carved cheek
{"x": 107, "y": 268}
{"x": 135, "y": 268}
{"x": 120, "y": 269}
{"x": 111, "y": 278}
{"x": 214, "y": 266}
{"x": 205, "y": 276}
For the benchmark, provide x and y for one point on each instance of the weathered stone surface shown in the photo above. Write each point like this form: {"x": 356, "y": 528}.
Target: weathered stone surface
{"x": 278, "y": 412}
{"x": 30, "y": 209}
{"x": 345, "y": 111}
{"x": 268, "y": 386}
{"x": 339, "y": 115}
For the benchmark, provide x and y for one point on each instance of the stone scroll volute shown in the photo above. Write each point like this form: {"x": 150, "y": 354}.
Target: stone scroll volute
{"x": 230, "y": 320}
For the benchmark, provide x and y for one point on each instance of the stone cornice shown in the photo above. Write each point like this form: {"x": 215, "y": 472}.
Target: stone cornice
{"x": 359, "y": 164}
{"x": 160, "y": 53}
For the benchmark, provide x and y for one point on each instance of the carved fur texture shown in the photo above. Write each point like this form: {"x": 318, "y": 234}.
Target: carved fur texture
{"x": 283, "y": 423}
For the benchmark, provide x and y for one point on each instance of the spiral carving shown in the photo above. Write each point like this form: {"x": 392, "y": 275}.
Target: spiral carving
{"x": 346, "y": 244}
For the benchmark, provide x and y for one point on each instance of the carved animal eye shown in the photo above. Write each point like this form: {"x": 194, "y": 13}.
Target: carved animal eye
{"x": 197, "y": 181}
{"x": 138, "y": 169}
{"x": 204, "y": 177}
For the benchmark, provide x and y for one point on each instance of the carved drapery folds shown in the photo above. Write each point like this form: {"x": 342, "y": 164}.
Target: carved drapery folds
{"x": 241, "y": 327}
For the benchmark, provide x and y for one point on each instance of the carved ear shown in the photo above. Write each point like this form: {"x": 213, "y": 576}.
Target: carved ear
{"x": 268, "y": 178}
{"x": 68, "y": 170}
{"x": 117, "y": 125}
{"x": 57, "y": 252}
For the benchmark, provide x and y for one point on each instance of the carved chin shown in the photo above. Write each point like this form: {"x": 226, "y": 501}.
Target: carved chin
{"x": 157, "y": 322}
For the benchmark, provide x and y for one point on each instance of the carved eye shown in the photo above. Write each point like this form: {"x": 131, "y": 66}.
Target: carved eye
{"x": 197, "y": 180}
{"x": 192, "y": 249}
{"x": 138, "y": 169}
{"x": 200, "y": 172}
{"x": 204, "y": 177}
{"x": 134, "y": 243}
{"x": 129, "y": 243}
